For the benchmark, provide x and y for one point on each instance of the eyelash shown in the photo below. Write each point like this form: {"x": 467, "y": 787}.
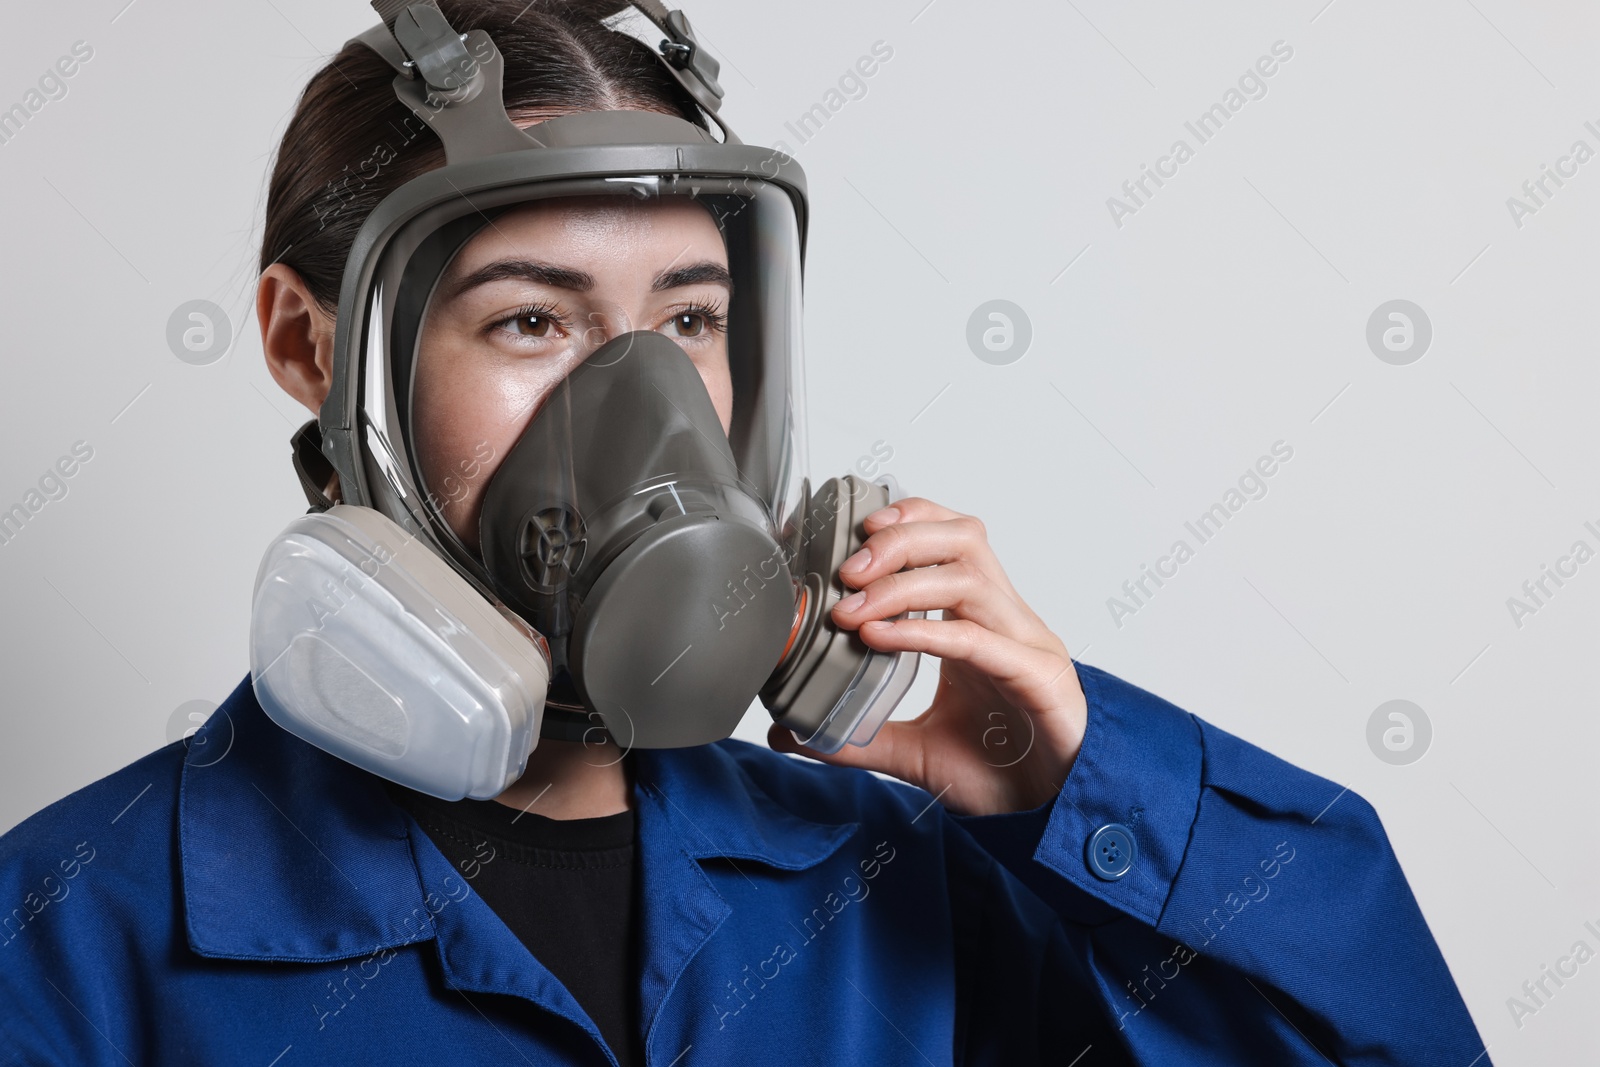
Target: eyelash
{"x": 716, "y": 319}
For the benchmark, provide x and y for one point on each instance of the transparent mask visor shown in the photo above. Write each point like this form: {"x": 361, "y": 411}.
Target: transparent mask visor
{"x": 489, "y": 306}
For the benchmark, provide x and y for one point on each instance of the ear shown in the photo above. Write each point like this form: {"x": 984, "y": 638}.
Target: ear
{"x": 296, "y": 335}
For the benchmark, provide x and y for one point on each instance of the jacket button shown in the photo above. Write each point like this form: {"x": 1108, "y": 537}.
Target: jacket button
{"x": 1111, "y": 852}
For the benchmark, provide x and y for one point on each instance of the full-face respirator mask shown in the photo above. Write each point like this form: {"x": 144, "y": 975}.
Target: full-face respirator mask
{"x": 636, "y": 570}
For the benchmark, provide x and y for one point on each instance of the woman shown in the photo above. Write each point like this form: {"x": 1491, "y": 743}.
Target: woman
{"x": 1137, "y": 886}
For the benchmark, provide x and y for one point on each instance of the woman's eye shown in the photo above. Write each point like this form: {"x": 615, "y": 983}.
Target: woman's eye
{"x": 697, "y": 322}
{"x": 532, "y": 325}
{"x": 689, "y": 324}
{"x": 532, "y": 322}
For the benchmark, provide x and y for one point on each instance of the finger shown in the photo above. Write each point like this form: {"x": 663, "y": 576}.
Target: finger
{"x": 921, "y": 509}
{"x": 896, "y": 750}
{"x": 918, "y": 543}
{"x": 1025, "y": 675}
{"x": 960, "y": 587}
{"x": 904, "y": 543}
{"x": 914, "y": 509}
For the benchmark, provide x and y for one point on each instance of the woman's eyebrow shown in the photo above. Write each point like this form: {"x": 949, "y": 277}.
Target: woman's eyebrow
{"x": 693, "y": 274}
{"x": 525, "y": 270}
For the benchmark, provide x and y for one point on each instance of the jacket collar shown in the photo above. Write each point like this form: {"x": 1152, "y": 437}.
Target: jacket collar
{"x": 716, "y": 810}
{"x": 290, "y": 853}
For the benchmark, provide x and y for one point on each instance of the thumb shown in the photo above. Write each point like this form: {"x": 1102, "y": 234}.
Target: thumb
{"x": 895, "y": 751}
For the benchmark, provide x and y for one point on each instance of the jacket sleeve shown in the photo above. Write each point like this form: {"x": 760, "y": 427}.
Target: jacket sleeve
{"x": 1264, "y": 918}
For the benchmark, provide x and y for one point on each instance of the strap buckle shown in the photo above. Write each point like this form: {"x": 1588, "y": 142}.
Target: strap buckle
{"x": 316, "y": 472}
{"x": 428, "y": 46}
{"x": 682, "y": 51}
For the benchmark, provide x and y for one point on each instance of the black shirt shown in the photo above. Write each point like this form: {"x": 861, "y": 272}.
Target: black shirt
{"x": 565, "y": 887}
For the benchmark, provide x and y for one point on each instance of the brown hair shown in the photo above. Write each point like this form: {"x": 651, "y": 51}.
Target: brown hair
{"x": 350, "y": 142}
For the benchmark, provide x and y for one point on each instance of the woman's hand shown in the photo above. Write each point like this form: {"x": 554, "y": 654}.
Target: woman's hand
{"x": 1009, "y": 714}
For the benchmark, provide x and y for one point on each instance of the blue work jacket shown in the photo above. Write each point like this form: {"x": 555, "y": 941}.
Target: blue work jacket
{"x": 1187, "y": 898}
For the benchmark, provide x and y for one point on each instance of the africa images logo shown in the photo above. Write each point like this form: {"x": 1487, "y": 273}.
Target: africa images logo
{"x": 203, "y": 746}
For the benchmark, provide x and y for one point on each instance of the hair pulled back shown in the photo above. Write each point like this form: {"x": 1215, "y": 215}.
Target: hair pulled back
{"x": 350, "y": 142}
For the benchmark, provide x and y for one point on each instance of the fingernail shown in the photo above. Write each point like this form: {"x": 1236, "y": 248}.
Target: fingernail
{"x": 853, "y": 601}
{"x": 886, "y": 515}
{"x": 857, "y": 561}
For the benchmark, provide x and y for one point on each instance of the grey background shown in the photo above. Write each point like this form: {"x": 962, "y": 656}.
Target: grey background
{"x": 1167, "y": 354}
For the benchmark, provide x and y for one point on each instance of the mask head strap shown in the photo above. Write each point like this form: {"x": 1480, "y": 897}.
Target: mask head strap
{"x": 437, "y": 71}
{"x": 694, "y": 67}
